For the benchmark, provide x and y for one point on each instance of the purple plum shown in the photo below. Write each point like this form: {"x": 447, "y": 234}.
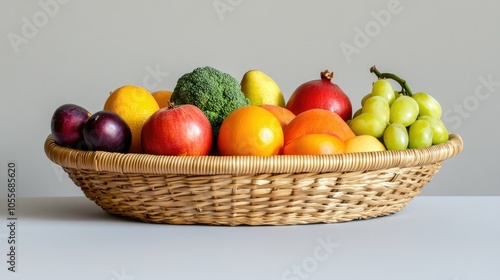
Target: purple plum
{"x": 107, "y": 131}
{"x": 67, "y": 126}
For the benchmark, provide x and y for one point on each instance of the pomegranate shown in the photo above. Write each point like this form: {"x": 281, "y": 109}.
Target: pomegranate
{"x": 322, "y": 94}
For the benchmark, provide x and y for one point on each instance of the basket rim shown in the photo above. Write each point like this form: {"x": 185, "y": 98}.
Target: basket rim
{"x": 217, "y": 165}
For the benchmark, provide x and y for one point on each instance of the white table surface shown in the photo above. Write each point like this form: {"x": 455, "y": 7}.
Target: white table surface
{"x": 441, "y": 238}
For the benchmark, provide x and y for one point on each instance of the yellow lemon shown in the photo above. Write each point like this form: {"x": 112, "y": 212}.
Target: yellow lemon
{"x": 363, "y": 143}
{"x": 135, "y": 105}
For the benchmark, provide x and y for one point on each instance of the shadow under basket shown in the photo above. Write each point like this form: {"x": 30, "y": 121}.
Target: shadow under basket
{"x": 252, "y": 190}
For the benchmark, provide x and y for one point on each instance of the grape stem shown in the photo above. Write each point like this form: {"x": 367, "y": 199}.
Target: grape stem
{"x": 405, "y": 89}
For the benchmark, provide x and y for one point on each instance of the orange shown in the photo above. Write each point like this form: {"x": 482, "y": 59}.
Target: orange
{"x": 317, "y": 121}
{"x": 283, "y": 115}
{"x": 363, "y": 143}
{"x": 162, "y": 97}
{"x": 135, "y": 105}
{"x": 250, "y": 130}
{"x": 315, "y": 144}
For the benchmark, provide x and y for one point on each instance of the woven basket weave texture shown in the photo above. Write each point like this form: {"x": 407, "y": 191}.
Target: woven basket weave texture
{"x": 276, "y": 190}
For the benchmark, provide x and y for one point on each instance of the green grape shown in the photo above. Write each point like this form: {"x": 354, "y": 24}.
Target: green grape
{"x": 428, "y": 106}
{"x": 396, "y": 137}
{"x": 357, "y": 113}
{"x": 383, "y": 88}
{"x": 439, "y": 132}
{"x": 420, "y": 135}
{"x": 364, "y": 98}
{"x": 377, "y": 105}
{"x": 404, "y": 110}
{"x": 368, "y": 124}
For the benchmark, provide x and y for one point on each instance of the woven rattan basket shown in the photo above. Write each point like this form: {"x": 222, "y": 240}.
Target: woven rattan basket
{"x": 250, "y": 190}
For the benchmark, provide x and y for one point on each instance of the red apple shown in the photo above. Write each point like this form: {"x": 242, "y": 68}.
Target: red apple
{"x": 177, "y": 130}
{"x": 321, "y": 94}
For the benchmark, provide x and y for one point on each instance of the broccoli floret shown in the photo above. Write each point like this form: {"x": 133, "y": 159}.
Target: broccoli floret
{"x": 216, "y": 93}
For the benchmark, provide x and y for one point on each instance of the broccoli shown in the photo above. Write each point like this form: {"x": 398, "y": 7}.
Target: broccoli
{"x": 216, "y": 93}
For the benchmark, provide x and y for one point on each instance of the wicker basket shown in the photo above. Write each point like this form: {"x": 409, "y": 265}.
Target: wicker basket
{"x": 250, "y": 190}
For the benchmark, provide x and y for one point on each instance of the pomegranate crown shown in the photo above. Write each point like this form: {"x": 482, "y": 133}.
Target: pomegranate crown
{"x": 326, "y": 75}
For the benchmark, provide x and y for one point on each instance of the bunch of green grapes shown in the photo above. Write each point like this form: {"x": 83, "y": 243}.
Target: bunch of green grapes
{"x": 399, "y": 120}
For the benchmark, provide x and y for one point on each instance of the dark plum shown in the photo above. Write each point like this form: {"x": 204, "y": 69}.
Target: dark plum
{"x": 106, "y": 131}
{"x": 67, "y": 126}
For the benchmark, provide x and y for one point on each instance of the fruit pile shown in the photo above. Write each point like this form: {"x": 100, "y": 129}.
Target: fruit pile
{"x": 209, "y": 112}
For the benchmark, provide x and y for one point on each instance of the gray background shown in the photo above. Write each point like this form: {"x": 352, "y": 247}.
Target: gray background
{"x": 56, "y": 52}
